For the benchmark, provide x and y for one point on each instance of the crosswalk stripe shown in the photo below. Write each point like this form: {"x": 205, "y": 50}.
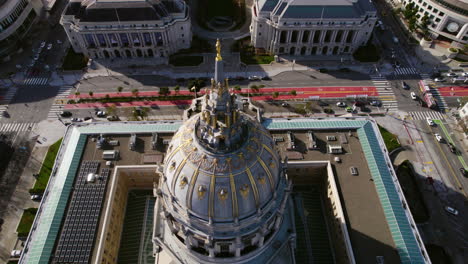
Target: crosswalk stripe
{"x": 422, "y": 115}
{"x": 17, "y": 127}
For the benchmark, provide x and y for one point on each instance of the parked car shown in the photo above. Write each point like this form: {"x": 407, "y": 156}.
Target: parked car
{"x": 87, "y": 118}
{"x": 65, "y": 114}
{"x": 451, "y": 74}
{"x": 429, "y": 121}
{"x": 438, "y": 137}
{"x": 112, "y": 118}
{"x": 465, "y": 74}
{"x": 36, "y": 57}
{"x": 451, "y": 210}
{"x": 42, "y": 44}
{"x": 266, "y": 78}
{"x": 254, "y": 78}
{"x": 49, "y": 47}
{"x": 413, "y": 96}
{"x": 341, "y": 104}
{"x": 349, "y": 109}
{"x": 464, "y": 172}
{"x": 404, "y": 85}
{"x": 321, "y": 103}
{"x": 284, "y": 104}
{"x": 452, "y": 148}
{"x": 375, "y": 103}
{"x": 15, "y": 253}
{"x": 76, "y": 119}
{"x": 101, "y": 114}
{"x": 36, "y": 197}
{"x": 439, "y": 80}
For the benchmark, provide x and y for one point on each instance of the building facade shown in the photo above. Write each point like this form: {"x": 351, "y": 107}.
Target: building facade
{"x": 127, "y": 28}
{"x": 16, "y": 19}
{"x": 301, "y": 27}
{"x": 448, "y": 18}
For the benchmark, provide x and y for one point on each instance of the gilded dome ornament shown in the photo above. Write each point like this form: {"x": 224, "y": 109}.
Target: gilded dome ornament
{"x": 183, "y": 182}
{"x": 201, "y": 192}
{"x": 223, "y": 194}
{"x": 172, "y": 167}
{"x": 244, "y": 191}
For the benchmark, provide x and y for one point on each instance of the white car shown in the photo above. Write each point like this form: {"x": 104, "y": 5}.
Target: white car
{"x": 49, "y": 47}
{"x": 16, "y": 253}
{"x": 58, "y": 41}
{"x": 375, "y": 103}
{"x": 439, "y": 80}
{"x": 36, "y": 197}
{"x": 465, "y": 74}
{"x": 429, "y": 121}
{"x": 451, "y": 74}
{"x": 254, "y": 78}
{"x": 101, "y": 113}
{"x": 76, "y": 119}
{"x": 438, "y": 137}
{"x": 451, "y": 210}
{"x": 36, "y": 57}
{"x": 341, "y": 104}
{"x": 18, "y": 66}
{"x": 42, "y": 44}
{"x": 413, "y": 96}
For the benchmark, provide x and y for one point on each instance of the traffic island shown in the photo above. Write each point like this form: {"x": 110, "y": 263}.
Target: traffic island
{"x": 26, "y": 222}
{"x": 46, "y": 169}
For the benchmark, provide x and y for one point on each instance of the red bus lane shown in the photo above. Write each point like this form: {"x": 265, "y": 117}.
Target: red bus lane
{"x": 453, "y": 91}
{"x": 266, "y": 94}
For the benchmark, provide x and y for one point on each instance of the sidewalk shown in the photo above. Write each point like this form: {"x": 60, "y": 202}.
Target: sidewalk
{"x": 48, "y": 132}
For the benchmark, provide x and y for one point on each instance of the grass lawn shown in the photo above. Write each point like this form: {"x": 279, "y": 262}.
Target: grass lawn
{"x": 26, "y": 222}
{"x": 368, "y": 53}
{"x": 185, "y": 60}
{"x": 46, "y": 168}
{"x": 74, "y": 61}
{"x": 391, "y": 141}
{"x": 256, "y": 59}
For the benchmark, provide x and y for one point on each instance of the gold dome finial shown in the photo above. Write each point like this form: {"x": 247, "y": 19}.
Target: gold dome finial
{"x": 218, "y": 50}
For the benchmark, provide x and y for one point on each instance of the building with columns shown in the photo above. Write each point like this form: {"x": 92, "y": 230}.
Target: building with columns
{"x": 311, "y": 27}
{"x": 127, "y": 28}
{"x": 448, "y": 19}
{"x": 16, "y": 19}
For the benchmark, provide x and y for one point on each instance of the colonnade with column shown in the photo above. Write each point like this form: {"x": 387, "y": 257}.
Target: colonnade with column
{"x": 112, "y": 44}
{"x": 313, "y": 42}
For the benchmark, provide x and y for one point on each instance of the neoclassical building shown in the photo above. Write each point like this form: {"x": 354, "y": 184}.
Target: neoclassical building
{"x": 16, "y": 19}
{"x": 311, "y": 27}
{"x": 448, "y": 18}
{"x": 127, "y": 28}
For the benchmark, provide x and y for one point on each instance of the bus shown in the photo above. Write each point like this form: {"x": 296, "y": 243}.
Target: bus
{"x": 427, "y": 95}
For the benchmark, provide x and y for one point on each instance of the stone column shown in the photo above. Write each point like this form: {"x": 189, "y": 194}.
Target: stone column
{"x": 238, "y": 247}
{"x": 333, "y": 36}
{"x": 288, "y": 37}
{"x": 311, "y": 36}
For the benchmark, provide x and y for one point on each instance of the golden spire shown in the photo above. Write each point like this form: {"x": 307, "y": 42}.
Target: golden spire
{"x": 218, "y": 50}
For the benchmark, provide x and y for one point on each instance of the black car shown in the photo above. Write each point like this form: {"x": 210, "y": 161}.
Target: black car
{"x": 266, "y": 78}
{"x": 65, "y": 114}
{"x": 87, "y": 118}
{"x": 320, "y": 103}
{"x": 452, "y": 148}
{"x": 405, "y": 85}
{"x": 464, "y": 172}
{"x": 359, "y": 103}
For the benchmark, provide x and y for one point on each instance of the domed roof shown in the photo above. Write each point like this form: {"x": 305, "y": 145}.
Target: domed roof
{"x": 222, "y": 186}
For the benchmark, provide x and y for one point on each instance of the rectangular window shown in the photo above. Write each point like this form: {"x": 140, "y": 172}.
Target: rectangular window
{"x": 147, "y": 38}
{"x": 90, "y": 41}
{"x": 159, "y": 38}
{"x": 113, "y": 40}
{"x": 136, "y": 39}
{"x": 124, "y": 39}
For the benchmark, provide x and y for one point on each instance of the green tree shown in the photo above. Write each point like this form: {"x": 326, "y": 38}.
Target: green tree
{"x": 254, "y": 88}
{"x": 135, "y": 92}
{"x": 293, "y": 92}
{"x": 194, "y": 85}
{"x": 425, "y": 21}
{"x": 111, "y": 110}
{"x": 77, "y": 93}
{"x": 237, "y": 88}
{"x": 91, "y": 93}
{"x": 119, "y": 89}
{"x": 164, "y": 91}
{"x": 177, "y": 89}
{"x": 275, "y": 95}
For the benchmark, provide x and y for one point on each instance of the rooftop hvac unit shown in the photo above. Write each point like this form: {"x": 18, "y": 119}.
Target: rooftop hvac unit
{"x": 335, "y": 149}
{"x": 154, "y": 140}
{"x": 132, "y": 143}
